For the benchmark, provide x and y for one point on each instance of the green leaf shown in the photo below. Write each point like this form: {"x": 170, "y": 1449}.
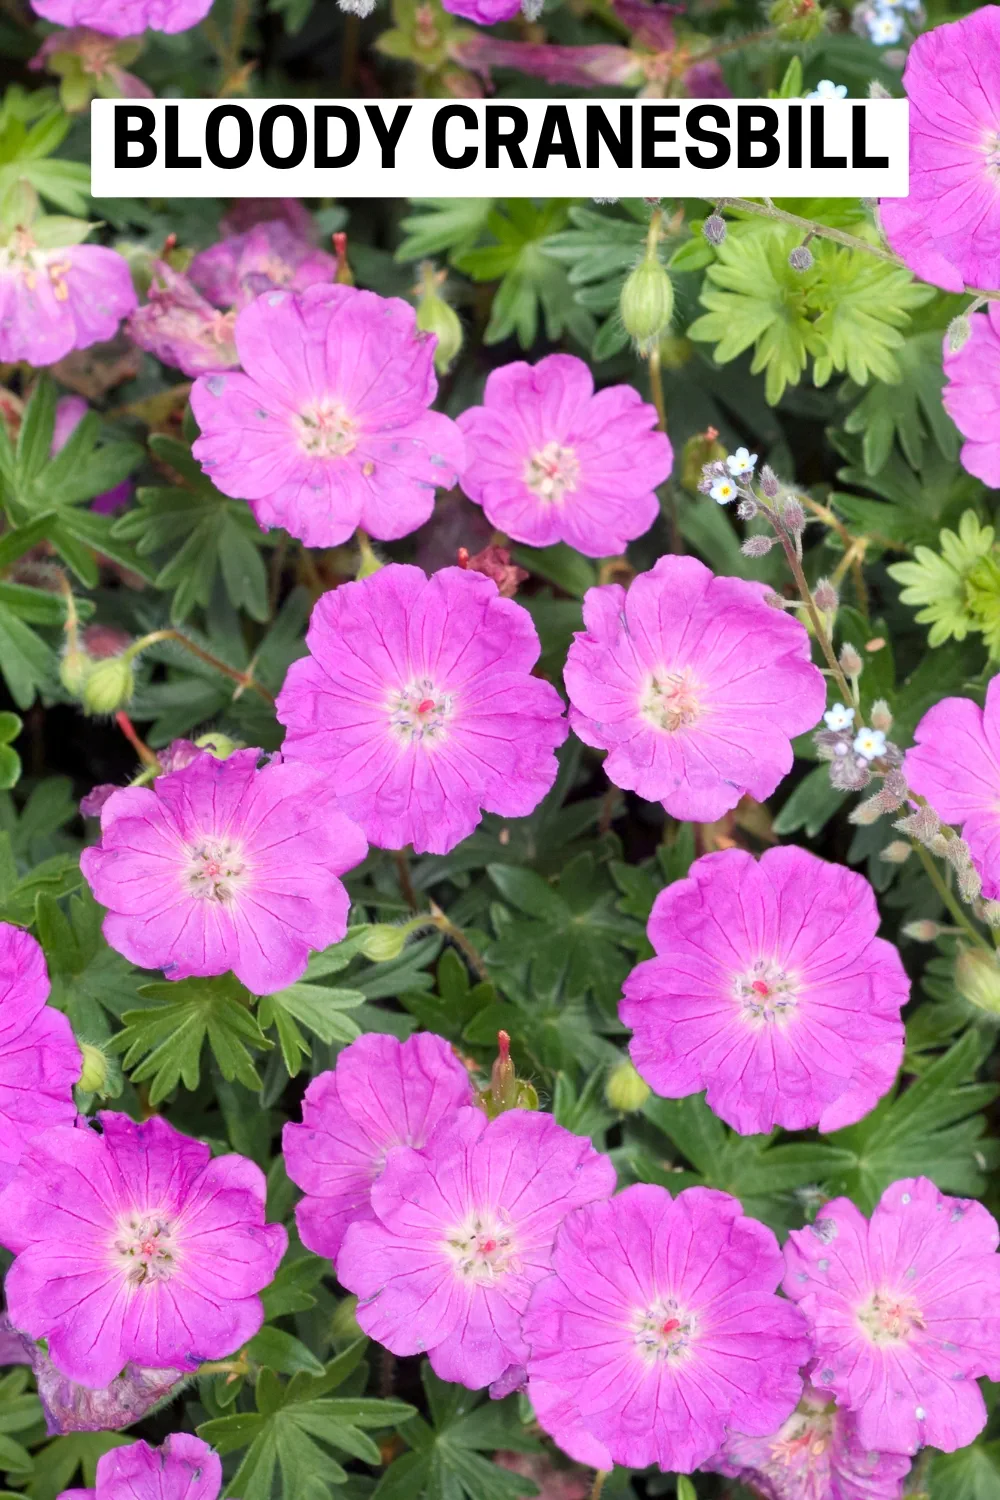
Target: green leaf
{"x": 972, "y": 1473}
{"x": 561, "y": 565}
{"x": 443, "y": 225}
{"x": 163, "y": 1043}
{"x": 907, "y": 412}
{"x": 811, "y": 805}
{"x": 283, "y": 1352}
{"x": 59, "y": 1462}
{"x": 320, "y": 1008}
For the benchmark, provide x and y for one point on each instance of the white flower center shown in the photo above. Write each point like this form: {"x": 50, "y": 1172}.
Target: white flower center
{"x": 671, "y": 700}
{"x": 419, "y": 713}
{"x": 21, "y": 258}
{"x": 145, "y": 1247}
{"x": 664, "y": 1331}
{"x": 552, "y": 472}
{"x": 992, "y": 148}
{"x": 765, "y": 992}
{"x": 890, "y": 1318}
{"x": 326, "y": 430}
{"x": 483, "y": 1248}
{"x": 216, "y": 869}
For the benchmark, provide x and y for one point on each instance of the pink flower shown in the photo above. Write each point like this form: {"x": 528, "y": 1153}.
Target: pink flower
{"x": 265, "y": 259}
{"x": 328, "y": 428}
{"x": 577, "y": 67}
{"x": 694, "y": 684}
{"x": 972, "y": 395}
{"x": 769, "y": 988}
{"x": 486, "y": 12}
{"x": 181, "y": 328}
{"x": 70, "y": 412}
{"x": 955, "y": 764}
{"x": 417, "y": 702}
{"x": 948, "y": 229}
{"x": 243, "y": 213}
{"x": 463, "y": 1230}
{"x": 904, "y": 1312}
{"x": 382, "y": 1094}
{"x": 185, "y": 1468}
{"x": 39, "y": 1059}
{"x": 659, "y": 1330}
{"x": 550, "y": 461}
{"x": 223, "y": 866}
{"x": 815, "y": 1455}
{"x": 53, "y": 301}
{"x": 125, "y": 17}
{"x": 135, "y": 1244}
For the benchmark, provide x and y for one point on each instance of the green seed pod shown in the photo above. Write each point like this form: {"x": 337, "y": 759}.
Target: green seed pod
{"x": 647, "y": 303}
{"x": 624, "y": 1090}
{"x": 74, "y": 669}
{"x": 109, "y": 685}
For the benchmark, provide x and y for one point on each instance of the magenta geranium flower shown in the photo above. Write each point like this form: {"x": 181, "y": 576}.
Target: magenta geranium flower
{"x": 54, "y": 301}
{"x": 660, "y": 1329}
{"x": 815, "y": 1455}
{"x": 550, "y": 461}
{"x": 486, "y": 12}
{"x": 70, "y": 412}
{"x": 222, "y": 865}
{"x": 135, "y": 1245}
{"x": 39, "y": 1059}
{"x": 383, "y": 1093}
{"x": 125, "y": 17}
{"x": 418, "y": 703}
{"x": 327, "y": 428}
{"x": 769, "y": 988}
{"x": 972, "y": 395}
{"x": 694, "y": 685}
{"x": 181, "y": 328}
{"x": 185, "y": 1468}
{"x": 462, "y": 1231}
{"x": 955, "y": 764}
{"x": 905, "y": 1313}
{"x": 948, "y": 229}
{"x": 265, "y": 259}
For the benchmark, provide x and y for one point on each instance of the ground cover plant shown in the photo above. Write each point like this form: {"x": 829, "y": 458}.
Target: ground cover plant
{"x": 499, "y": 787}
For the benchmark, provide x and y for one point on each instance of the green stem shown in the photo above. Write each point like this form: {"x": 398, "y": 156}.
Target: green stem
{"x": 600, "y": 1479}
{"x": 948, "y": 897}
{"x": 446, "y": 925}
{"x": 805, "y": 593}
{"x": 244, "y": 679}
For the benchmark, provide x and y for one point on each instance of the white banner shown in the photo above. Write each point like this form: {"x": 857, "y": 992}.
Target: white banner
{"x": 522, "y": 148}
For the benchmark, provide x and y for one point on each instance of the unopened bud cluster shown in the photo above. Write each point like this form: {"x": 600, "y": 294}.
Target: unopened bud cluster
{"x": 856, "y": 751}
{"x": 924, "y": 827}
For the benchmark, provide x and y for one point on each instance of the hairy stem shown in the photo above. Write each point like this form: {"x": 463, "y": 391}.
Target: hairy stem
{"x": 142, "y": 750}
{"x": 446, "y": 925}
{"x": 948, "y": 896}
{"x": 244, "y": 679}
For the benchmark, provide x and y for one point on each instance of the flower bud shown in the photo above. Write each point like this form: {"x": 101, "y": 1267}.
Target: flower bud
{"x": 344, "y": 1326}
{"x": 868, "y": 812}
{"x": 368, "y": 563}
{"x": 757, "y": 546}
{"x": 969, "y": 884}
{"x": 527, "y": 1095}
{"x": 747, "y": 509}
{"x": 958, "y": 334}
{"x": 624, "y": 1090}
{"x": 768, "y": 481}
{"x": 383, "y": 942}
{"x": 109, "y": 686}
{"x": 714, "y": 229}
{"x": 647, "y": 302}
{"x": 435, "y": 315}
{"x": 924, "y": 931}
{"x": 877, "y": 91}
{"x": 94, "y": 1074}
{"x": 977, "y": 979}
{"x": 503, "y": 1078}
{"x": 701, "y": 461}
{"x": 801, "y": 258}
{"x": 897, "y": 853}
{"x": 850, "y": 662}
{"x": 218, "y": 745}
{"x": 881, "y": 715}
{"x": 74, "y": 670}
{"x": 793, "y": 517}
{"x": 826, "y": 596}
{"x": 798, "y": 20}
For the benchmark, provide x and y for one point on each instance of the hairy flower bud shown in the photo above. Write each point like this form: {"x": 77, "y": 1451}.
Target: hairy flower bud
{"x": 801, "y": 258}
{"x": 959, "y": 333}
{"x": 868, "y": 812}
{"x": 849, "y": 773}
{"x": 897, "y": 852}
{"x": 969, "y": 884}
{"x": 826, "y": 596}
{"x": 877, "y": 91}
{"x": 647, "y": 302}
{"x": 793, "y": 517}
{"x": 798, "y": 20}
{"x": 74, "y": 669}
{"x": 922, "y": 825}
{"x": 625, "y": 1090}
{"x": 923, "y": 931}
{"x": 881, "y": 716}
{"x": 94, "y": 1073}
{"x": 977, "y": 979}
{"x": 768, "y": 481}
{"x": 109, "y": 686}
{"x": 757, "y": 546}
{"x": 850, "y": 662}
{"x": 748, "y": 510}
{"x": 714, "y": 229}
{"x": 219, "y": 745}
{"x": 383, "y": 942}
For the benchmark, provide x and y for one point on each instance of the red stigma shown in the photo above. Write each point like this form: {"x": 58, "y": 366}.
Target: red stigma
{"x": 425, "y": 705}
{"x": 671, "y": 1325}
{"x": 760, "y": 988}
